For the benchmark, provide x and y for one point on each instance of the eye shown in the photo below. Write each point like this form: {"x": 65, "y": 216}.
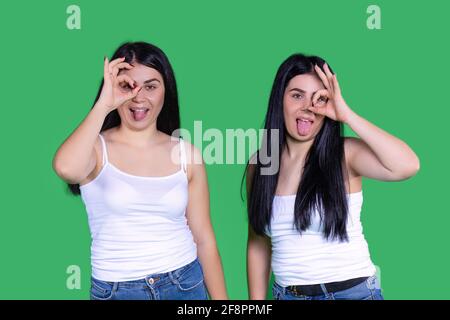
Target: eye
{"x": 297, "y": 96}
{"x": 150, "y": 87}
{"x": 125, "y": 86}
{"x": 322, "y": 99}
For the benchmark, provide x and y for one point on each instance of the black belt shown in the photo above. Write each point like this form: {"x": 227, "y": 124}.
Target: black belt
{"x": 316, "y": 289}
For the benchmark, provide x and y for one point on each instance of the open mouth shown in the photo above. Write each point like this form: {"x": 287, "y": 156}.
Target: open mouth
{"x": 304, "y": 126}
{"x": 138, "y": 114}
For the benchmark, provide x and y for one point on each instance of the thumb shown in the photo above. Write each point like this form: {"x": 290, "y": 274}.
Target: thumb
{"x": 135, "y": 91}
{"x": 317, "y": 110}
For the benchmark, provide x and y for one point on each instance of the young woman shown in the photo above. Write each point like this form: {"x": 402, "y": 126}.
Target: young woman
{"x": 147, "y": 204}
{"x": 304, "y": 221}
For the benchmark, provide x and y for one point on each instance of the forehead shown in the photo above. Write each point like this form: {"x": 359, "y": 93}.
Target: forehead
{"x": 309, "y": 82}
{"x": 141, "y": 73}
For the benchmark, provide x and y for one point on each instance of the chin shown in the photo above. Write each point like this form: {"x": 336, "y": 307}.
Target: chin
{"x": 137, "y": 126}
{"x": 304, "y": 138}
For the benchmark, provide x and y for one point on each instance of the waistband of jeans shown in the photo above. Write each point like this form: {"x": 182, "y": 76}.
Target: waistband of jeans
{"x": 155, "y": 276}
{"x": 318, "y": 289}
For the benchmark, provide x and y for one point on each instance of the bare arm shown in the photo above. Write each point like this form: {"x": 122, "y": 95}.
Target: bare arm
{"x": 76, "y": 158}
{"x": 259, "y": 252}
{"x": 258, "y": 265}
{"x": 198, "y": 216}
{"x": 377, "y": 154}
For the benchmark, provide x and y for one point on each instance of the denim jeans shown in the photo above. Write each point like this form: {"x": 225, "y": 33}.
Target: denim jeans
{"x": 185, "y": 283}
{"x": 367, "y": 290}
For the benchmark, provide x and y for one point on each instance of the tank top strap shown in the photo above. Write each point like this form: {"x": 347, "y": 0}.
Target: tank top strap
{"x": 183, "y": 155}
{"x": 104, "y": 150}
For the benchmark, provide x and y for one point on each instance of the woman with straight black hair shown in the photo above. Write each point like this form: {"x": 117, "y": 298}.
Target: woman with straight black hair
{"x": 304, "y": 220}
{"x": 147, "y": 203}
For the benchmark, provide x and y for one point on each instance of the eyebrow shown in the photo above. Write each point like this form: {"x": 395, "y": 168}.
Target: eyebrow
{"x": 151, "y": 80}
{"x": 301, "y": 90}
{"x": 297, "y": 89}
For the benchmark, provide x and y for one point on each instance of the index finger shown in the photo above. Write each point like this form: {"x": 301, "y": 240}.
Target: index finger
{"x": 322, "y": 76}
{"x": 318, "y": 94}
{"x": 115, "y": 61}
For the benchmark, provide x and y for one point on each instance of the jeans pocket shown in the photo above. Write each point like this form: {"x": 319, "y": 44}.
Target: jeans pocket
{"x": 101, "y": 290}
{"x": 276, "y": 292}
{"x": 191, "y": 278}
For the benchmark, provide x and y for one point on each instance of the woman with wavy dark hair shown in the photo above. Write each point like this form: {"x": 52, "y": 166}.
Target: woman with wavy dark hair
{"x": 147, "y": 203}
{"x": 304, "y": 220}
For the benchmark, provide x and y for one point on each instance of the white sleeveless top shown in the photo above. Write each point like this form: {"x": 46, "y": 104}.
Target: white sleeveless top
{"x": 138, "y": 224}
{"x": 308, "y": 258}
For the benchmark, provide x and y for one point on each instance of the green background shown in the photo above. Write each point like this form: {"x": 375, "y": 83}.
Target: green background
{"x": 225, "y": 55}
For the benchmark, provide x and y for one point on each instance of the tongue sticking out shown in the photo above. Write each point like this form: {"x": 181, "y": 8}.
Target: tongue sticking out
{"x": 303, "y": 127}
{"x": 138, "y": 115}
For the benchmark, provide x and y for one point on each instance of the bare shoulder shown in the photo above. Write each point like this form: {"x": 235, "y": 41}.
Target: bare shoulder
{"x": 193, "y": 154}
{"x": 351, "y": 146}
{"x": 98, "y": 151}
{"x": 108, "y": 134}
{"x": 194, "y": 160}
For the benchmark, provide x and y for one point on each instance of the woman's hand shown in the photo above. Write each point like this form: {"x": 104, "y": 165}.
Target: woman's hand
{"x": 376, "y": 154}
{"x": 329, "y": 101}
{"x": 116, "y": 89}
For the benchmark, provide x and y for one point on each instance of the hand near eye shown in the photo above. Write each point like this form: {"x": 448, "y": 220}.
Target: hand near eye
{"x": 116, "y": 89}
{"x": 329, "y": 102}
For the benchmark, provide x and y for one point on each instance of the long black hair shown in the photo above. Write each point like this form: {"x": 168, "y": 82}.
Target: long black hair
{"x": 322, "y": 185}
{"x": 151, "y": 56}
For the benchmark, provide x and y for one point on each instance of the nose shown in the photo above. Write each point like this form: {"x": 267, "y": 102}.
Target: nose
{"x": 140, "y": 96}
{"x": 307, "y": 103}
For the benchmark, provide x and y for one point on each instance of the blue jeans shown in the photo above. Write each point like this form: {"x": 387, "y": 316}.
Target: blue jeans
{"x": 367, "y": 290}
{"x": 185, "y": 283}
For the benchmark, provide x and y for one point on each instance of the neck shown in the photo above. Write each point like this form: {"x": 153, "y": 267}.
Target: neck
{"x": 138, "y": 138}
{"x": 297, "y": 150}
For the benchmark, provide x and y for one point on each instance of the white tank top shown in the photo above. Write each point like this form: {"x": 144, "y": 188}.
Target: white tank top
{"x": 138, "y": 224}
{"x": 308, "y": 258}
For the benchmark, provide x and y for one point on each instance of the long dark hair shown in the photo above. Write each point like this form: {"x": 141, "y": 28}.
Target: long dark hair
{"x": 322, "y": 185}
{"x": 151, "y": 56}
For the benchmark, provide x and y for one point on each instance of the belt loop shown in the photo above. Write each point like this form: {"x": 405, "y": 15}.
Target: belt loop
{"x": 115, "y": 286}
{"x": 175, "y": 273}
{"x": 324, "y": 289}
{"x": 172, "y": 276}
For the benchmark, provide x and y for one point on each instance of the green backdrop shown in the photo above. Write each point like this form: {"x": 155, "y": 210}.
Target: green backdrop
{"x": 225, "y": 55}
